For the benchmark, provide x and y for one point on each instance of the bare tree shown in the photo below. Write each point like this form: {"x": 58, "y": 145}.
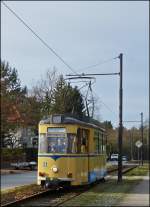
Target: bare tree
{"x": 45, "y": 86}
{"x": 43, "y": 90}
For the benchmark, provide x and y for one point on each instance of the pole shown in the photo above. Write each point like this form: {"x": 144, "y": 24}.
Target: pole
{"x": 131, "y": 137}
{"x": 139, "y": 155}
{"x": 142, "y": 137}
{"x": 120, "y": 123}
{"x": 110, "y": 150}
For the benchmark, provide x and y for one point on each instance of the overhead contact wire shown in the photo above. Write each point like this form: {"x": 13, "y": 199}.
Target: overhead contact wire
{"x": 35, "y": 34}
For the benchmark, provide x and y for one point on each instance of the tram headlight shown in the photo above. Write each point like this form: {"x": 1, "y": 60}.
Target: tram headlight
{"x": 55, "y": 169}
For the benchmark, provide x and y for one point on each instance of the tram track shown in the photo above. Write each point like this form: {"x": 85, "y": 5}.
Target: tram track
{"x": 25, "y": 198}
{"x": 79, "y": 193}
{"x": 57, "y": 197}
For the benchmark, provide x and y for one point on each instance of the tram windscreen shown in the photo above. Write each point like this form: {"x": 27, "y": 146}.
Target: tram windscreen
{"x": 56, "y": 140}
{"x": 56, "y": 144}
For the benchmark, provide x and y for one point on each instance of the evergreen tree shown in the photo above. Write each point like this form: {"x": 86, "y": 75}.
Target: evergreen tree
{"x": 67, "y": 99}
{"x": 12, "y": 95}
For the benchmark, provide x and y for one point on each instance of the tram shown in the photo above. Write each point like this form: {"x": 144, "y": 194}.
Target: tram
{"x": 71, "y": 151}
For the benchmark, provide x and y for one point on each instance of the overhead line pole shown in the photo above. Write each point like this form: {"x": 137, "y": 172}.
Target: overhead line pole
{"x": 120, "y": 122}
{"x": 142, "y": 137}
{"x": 120, "y": 133}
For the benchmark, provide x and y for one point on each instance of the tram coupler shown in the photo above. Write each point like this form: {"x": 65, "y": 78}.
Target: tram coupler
{"x": 52, "y": 183}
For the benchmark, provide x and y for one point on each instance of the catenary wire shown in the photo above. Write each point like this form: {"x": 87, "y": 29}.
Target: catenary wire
{"x": 100, "y": 63}
{"x": 108, "y": 108}
{"x": 46, "y": 44}
{"x": 37, "y": 36}
{"x": 52, "y": 50}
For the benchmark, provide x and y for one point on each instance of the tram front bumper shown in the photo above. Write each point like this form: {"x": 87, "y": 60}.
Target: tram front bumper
{"x": 55, "y": 182}
{"x": 52, "y": 182}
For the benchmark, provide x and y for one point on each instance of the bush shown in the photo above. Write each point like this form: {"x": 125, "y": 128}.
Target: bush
{"x": 12, "y": 155}
{"x": 18, "y": 155}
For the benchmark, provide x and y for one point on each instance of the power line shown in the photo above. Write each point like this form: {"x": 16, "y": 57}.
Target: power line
{"x": 87, "y": 83}
{"x": 52, "y": 50}
{"x": 92, "y": 74}
{"x": 77, "y": 81}
{"x": 37, "y": 36}
{"x": 79, "y": 77}
{"x": 131, "y": 121}
{"x": 108, "y": 108}
{"x": 80, "y": 81}
{"x": 100, "y": 63}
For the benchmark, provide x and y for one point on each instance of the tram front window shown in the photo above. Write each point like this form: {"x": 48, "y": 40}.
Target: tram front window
{"x": 56, "y": 145}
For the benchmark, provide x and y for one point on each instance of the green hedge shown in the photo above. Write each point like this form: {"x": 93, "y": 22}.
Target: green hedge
{"x": 12, "y": 154}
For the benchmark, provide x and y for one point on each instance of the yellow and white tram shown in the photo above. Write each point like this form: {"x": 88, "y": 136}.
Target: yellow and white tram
{"x": 70, "y": 151}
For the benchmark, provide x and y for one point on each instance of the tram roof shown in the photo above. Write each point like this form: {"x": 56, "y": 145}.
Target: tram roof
{"x": 68, "y": 119}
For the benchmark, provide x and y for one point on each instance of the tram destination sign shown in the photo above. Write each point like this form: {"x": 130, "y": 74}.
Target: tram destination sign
{"x": 138, "y": 144}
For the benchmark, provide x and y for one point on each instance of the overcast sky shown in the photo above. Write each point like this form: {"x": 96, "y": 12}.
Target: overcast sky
{"x": 83, "y": 34}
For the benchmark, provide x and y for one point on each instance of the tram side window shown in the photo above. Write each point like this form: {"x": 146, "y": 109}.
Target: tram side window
{"x": 96, "y": 142}
{"x": 72, "y": 143}
{"x": 100, "y": 143}
{"x": 104, "y": 143}
{"x": 79, "y": 140}
{"x": 43, "y": 145}
{"x": 82, "y": 140}
{"x": 96, "y": 145}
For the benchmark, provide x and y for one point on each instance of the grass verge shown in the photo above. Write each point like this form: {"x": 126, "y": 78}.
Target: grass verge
{"x": 109, "y": 193}
{"x": 139, "y": 171}
{"x": 105, "y": 194}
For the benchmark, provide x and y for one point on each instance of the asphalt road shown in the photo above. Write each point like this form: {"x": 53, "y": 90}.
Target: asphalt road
{"x": 25, "y": 178}
{"x": 14, "y": 180}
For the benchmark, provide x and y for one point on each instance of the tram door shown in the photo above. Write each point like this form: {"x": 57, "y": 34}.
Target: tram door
{"x": 83, "y": 149}
{"x": 88, "y": 158}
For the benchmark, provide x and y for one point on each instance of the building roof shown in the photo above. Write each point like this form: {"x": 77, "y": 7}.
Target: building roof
{"x": 14, "y": 115}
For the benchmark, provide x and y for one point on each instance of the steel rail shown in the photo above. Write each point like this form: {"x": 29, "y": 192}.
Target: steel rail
{"x": 80, "y": 191}
{"x": 90, "y": 186}
{"x": 13, "y": 203}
